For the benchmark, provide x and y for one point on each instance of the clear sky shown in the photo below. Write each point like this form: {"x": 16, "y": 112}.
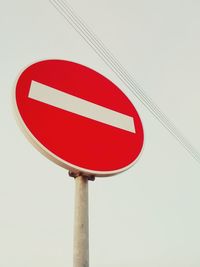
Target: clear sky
{"x": 147, "y": 216}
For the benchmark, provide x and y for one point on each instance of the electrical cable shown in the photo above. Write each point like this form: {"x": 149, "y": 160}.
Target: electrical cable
{"x": 95, "y": 43}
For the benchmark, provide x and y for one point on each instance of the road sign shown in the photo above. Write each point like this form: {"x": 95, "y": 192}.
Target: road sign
{"x": 78, "y": 118}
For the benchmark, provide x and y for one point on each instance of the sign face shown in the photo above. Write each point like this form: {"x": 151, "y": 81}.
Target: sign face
{"x": 78, "y": 118}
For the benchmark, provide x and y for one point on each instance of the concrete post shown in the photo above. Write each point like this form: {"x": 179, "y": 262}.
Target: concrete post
{"x": 81, "y": 232}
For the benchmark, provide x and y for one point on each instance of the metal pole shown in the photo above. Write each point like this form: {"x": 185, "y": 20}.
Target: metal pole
{"x": 81, "y": 219}
{"x": 81, "y": 228}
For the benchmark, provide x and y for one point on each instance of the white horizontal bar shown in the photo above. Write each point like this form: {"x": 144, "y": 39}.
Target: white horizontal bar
{"x": 67, "y": 102}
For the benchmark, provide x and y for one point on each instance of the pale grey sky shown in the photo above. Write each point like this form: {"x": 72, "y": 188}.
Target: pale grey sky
{"x": 147, "y": 216}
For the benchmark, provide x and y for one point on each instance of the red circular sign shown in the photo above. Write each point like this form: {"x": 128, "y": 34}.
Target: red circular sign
{"x": 78, "y": 117}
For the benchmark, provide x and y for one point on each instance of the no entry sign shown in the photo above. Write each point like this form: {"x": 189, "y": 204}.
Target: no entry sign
{"x": 78, "y": 118}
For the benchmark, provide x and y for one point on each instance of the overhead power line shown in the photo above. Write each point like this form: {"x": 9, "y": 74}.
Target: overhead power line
{"x": 96, "y": 44}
